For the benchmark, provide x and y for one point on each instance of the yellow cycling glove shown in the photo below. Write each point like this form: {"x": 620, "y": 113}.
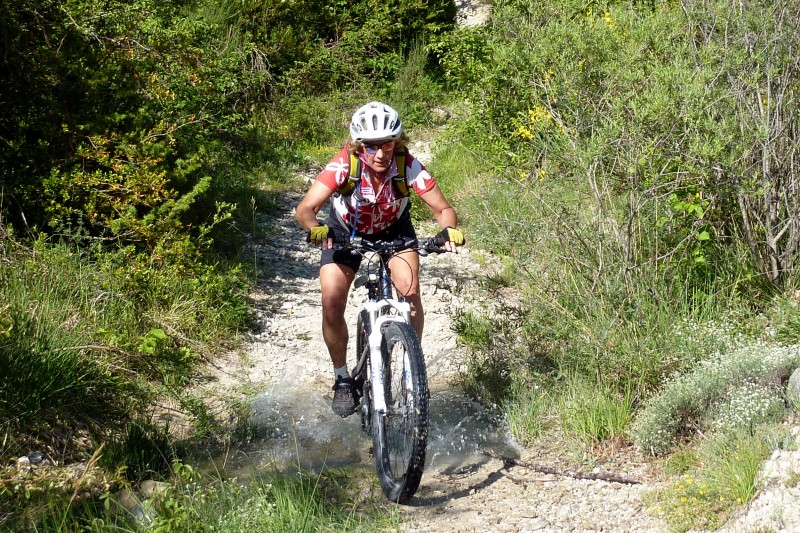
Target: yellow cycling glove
{"x": 318, "y": 234}
{"x": 449, "y": 234}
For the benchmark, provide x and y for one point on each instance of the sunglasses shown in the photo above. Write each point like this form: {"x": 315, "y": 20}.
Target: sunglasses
{"x": 373, "y": 148}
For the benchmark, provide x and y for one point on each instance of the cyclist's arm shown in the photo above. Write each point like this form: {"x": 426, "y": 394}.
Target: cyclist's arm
{"x": 439, "y": 206}
{"x": 314, "y": 200}
{"x": 442, "y": 210}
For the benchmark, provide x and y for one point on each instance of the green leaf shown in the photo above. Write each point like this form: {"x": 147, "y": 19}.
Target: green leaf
{"x": 157, "y": 334}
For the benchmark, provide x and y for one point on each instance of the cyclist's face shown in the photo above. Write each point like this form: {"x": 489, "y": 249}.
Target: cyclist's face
{"x": 379, "y": 155}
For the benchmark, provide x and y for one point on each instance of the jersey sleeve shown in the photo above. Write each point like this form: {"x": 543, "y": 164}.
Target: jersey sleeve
{"x": 418, "y": 176}
{"x": 336, "y": 172}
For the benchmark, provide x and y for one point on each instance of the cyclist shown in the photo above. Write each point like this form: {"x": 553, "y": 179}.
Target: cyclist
{"x": 376, "y": 207}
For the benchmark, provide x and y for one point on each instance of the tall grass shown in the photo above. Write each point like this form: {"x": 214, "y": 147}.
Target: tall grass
{"x": 526, "y": 409}
{"x": 301, "y": 502}
{"x": 593, "y": 414}
{"x": 722, "y": 476}
{"x": 86, "y": 351}
{"x": 50, "y": 364}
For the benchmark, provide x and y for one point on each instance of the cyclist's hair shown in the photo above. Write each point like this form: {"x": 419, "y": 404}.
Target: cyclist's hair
{"x": 356, "y": 147}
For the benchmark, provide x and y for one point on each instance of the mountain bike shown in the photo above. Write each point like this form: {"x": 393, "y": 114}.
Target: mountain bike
{"x": 390, "y": 375}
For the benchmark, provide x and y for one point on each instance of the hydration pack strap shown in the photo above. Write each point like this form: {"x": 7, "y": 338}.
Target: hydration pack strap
{"x": 399, "y": 181}
{"x": 354, "y": 175}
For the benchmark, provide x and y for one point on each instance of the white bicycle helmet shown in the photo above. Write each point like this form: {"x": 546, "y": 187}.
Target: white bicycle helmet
{"x": 375, "y": 122}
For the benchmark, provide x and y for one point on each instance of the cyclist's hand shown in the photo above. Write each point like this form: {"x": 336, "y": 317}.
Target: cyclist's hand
{"x": 450, "y": 238}
{"x": 320, "y": 236}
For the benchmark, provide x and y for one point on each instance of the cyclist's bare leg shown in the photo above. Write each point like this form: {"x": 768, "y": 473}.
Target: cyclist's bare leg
{"x": 405, "y": 276}
{"x": 335, "y": 281}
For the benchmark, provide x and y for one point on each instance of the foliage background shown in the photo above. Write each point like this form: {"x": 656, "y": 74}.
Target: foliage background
{"x": 138, "y": 139}
{"x": 632, "y": 163}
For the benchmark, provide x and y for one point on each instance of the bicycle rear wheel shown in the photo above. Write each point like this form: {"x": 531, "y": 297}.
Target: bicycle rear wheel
{"x": 400, "y": 435}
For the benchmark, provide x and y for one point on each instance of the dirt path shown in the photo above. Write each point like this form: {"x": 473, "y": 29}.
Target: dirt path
{"x": 466, "y": 490}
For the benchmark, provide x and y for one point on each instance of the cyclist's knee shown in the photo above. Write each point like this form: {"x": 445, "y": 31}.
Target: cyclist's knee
{"x": 408, "y": 286}
{"x": 333, "y": 308}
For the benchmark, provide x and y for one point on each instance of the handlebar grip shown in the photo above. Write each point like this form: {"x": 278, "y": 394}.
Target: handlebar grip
{"x": 442, "y": 237}
{"x": 430, "y": 246}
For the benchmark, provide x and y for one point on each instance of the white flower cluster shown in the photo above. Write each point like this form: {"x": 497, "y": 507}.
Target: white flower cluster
{"x": 747, "y": 405}
{"x": 740, "y": 385}
{"x": 710, "y": 336}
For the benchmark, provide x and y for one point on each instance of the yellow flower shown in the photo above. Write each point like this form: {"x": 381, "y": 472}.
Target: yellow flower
{"x": 608, "y": 19}
{"x": 524, "y": 132}
{"x": 539, "y": 115}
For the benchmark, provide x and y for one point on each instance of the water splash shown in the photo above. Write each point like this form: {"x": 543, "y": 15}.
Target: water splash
{"x": 297, "y": 428}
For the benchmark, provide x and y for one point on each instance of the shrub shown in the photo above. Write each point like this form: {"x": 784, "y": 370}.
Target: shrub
{"x": 736, "y": 387}
{"x": 724, "y": 479}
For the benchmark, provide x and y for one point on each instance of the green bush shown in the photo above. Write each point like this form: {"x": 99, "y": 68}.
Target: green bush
{"x": 646, "y": 120}
{"x": 151, "y": 100}
{"x": 615, "y": 153}
{"x": 317, "y": 47}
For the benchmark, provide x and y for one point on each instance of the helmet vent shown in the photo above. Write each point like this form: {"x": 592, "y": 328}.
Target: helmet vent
{"x": 375, "y": 121}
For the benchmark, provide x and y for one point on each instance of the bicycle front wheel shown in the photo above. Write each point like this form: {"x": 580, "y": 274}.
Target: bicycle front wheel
{"x": 361, "y": 374}
{"x": 400, "y": 435}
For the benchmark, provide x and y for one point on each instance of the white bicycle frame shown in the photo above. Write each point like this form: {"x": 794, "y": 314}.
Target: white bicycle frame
{"x": 377, "y": 321}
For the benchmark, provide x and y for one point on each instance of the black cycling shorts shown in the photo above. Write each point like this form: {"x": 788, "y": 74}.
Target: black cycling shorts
{"x": 400, "y": 229}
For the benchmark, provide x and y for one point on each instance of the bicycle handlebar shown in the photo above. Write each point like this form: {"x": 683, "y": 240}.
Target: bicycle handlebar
{"x": 359, "y": 245}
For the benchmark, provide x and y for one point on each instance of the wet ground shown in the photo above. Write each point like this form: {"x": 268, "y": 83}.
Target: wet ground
{"x": 296, "y": 427}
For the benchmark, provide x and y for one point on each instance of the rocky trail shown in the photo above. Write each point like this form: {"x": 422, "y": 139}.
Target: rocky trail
{"x": 476, "y": 477}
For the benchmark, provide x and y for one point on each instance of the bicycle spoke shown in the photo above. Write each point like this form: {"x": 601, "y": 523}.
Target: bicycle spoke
{"x": 402, "y": 438}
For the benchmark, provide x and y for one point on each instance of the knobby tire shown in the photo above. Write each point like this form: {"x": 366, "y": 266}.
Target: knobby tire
{"x": 400, "y": 436}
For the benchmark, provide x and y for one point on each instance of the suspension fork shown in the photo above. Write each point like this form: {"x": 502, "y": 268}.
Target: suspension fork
{"x": 376, "y": 362}
{"x": 385, "y": 279}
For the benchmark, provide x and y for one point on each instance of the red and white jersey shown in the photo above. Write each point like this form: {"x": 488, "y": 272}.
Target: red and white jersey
{"x": 377, "y": 210}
